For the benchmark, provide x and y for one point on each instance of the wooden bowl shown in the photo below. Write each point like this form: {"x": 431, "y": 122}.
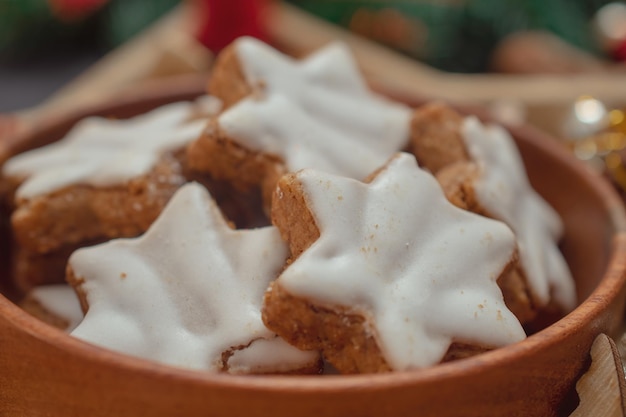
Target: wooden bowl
{"x": 45, "y": 372}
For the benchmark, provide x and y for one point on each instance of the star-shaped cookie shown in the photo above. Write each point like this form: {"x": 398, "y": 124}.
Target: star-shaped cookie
{"x": 327, "y": 85}
{"x": 289, "y": 114}
{"x": 186, "y": 293}
{"x": 105, "y": 152}
{"x": 503, "y": 190}
{"x": 388, "y": 268}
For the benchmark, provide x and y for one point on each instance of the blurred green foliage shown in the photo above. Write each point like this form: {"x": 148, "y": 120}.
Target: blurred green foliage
{"x": 461, "y": 34}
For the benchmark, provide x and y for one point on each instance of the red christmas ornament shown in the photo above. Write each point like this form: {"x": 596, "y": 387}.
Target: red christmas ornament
{"x": 74, "y": 9}
{"x": 619, "y": 53}
{"x": 226, "y": 20}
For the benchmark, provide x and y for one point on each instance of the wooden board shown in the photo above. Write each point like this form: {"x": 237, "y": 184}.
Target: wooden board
{"x": 601, "y": 389}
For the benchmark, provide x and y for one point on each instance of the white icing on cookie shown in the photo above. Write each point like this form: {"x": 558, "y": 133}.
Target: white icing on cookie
{"x": 61, "y": 301}
{"x": 504, "y": 191}
{"x": 187, "y": 290}
{"x": 278, "y": 126}
{"x": 104, "y": 152}
{"x": 329, "y": 87}
{"x": 280, "y": 357}
{"x": 422, "y": 271}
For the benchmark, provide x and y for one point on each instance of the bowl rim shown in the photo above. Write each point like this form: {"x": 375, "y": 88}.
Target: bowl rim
{"x": 589, "y": 309}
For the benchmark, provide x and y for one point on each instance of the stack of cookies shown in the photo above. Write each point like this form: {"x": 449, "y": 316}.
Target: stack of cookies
{"x": 395, "y": 238}
{"x": 105, "y": 179}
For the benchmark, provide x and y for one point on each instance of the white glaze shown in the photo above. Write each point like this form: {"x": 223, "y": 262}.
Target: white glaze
{"x": 61, "y": 301}
{"x": 103, "y": 152}
{"x": 280, "y": 357}
{"x": 187, "y": 290}
{"x": 504, "y": 191}
{"x": 278, "y": 126}
{"x": 422, "y": 271}
{"x": 329, "y": 87}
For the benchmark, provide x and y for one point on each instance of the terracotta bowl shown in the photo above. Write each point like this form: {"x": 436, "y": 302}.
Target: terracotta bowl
{"x": 45, "y": 372}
